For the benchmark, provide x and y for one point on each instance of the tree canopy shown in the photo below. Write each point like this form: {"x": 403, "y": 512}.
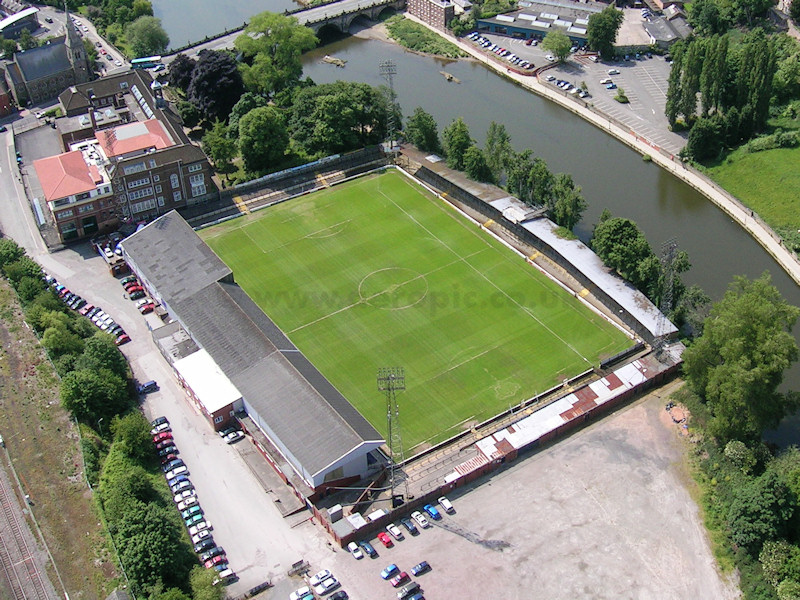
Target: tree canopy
{"x": 92, "y": 395}
{"x": 558, "y": 43}
{"x": 566, "y": 203}
{"x": 737, "y": 365}
{"x": 219, "y": 146}
{"x": 601, "y": 32}
{"x": 271, "y": 45}
{"x": 146, "y": 36}
{"x": 216, "y": 84}
{"x": 422, "y": 131}
{"x": 263, "y": 138}
{"x": 180, "y": 71}
{"x": 456, "y": 142}
{"x": 475, "y": 165}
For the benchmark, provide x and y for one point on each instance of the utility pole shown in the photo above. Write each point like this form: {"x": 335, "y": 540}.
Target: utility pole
{"x": 390, "y": 381}
{"x": 388, "y": 70}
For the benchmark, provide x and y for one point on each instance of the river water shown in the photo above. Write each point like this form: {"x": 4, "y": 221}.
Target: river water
{"x": 612, "y": 176}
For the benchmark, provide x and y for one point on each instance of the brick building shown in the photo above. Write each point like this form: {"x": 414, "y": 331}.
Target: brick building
{"x": 437, "y": 13}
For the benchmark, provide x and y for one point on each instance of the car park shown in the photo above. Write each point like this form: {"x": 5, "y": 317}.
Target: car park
{"x": 182, "y": 470}
{"x": 420, "y": 519}
{"x": 368, "y": 549}
{"x": 446, "y": 505}
{"x": 394, "y": 531}
{"x": 420, "y": 568}
{"x": 190, "y": 501}
{"x": 384, "y": 539}
{"x": 409, "y": 525}
{"x": 399, "y": 579}
{"x": 390, "y": 571}
{"x": 353, "y": 549}
{"x": 319, "y": 577}
{"x": 232, "y": 437}
{"x": 200, "y": 526}
{"x": 326, "y": 586}
{"x": 432, "y": 512}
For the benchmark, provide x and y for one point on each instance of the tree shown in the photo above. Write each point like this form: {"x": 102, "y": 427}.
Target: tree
{"x": 622, "y": 246}
{"x": 475, "y": 165}
{"x": 706, "y": 138}
{"x": 794, "y": 11}
{"x": 92, "y": 395}
{"x": 456, "y": 142}
{"x": 271, "y": 45}
{"x": 141, "y": 8}
{"x": 422, "y": 131}
{"x": 263, "y": 138}
{"x": 23, "y": 267}
{"x": 566, "y": 203}
{"x": 100, "y": 352}
{"x": 29, "y": 288}
{"x": 216, "y": 84}
{"x": 338, "y": 117}
{"x": 171, "y": 594}
{"x": 760, "y": 511}
{"x": 737, "y": 365}
{"x": 558, "y": 43}
{"x": 189, "y": 113}
{"x": 601, "y": 32}
{"x": 497, "y": 150}
{"x": 180, "y": 71}
{"x": 146, "y": 36}
{"x": 202, "y": 583}
{"x": 129, "y": 489}
{"x": 8, "y": 47}
{"x": 219, "y": 146}
{"x": 27, "y": 41}
{"x": 244, "y": 105}
{"x": 133, "y": 432}
{"x": 59, "y": 341}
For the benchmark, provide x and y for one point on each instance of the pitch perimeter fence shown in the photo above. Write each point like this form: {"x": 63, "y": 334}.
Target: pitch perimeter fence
{"x": 454, "y": 192}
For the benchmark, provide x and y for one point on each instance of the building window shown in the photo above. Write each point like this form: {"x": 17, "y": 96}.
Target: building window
{"x": 176, "y": 196}
{"x": 152, "y": 163}
{"x": 85, "y": 208}
{"x": 137, "y": 168}
{"x": 173, "y": 180}
{"x": 143, "y": 206}
{"x": 158, "y": 189}
{"x": 218, "y": 420}
{"x": 156, "y": 178}
{"x": 194, "y": 168}
{"x": 136, "y": 194}
{"x": 64, "y": 214}
{"x": 198, "y": 185}
{"x": 161, "y": 200}
{"x": 138, "y": 183}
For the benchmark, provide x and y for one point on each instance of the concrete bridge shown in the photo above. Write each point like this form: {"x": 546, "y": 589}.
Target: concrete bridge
{"x": 341, "y": 15}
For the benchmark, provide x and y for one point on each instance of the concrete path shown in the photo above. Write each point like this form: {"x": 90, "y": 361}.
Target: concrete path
{"x": 750, "y": 221}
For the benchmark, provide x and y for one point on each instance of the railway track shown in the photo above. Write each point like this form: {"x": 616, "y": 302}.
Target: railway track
{"x": 18, "y": 562}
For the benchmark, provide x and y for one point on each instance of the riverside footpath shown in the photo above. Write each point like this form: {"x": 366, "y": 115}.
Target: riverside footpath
{"x": 663, "y": 157}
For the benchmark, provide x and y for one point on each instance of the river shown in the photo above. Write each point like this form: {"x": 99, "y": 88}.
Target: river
{"x": 612, "y": 175}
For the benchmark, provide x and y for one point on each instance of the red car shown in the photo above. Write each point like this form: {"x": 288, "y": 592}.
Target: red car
{"x": 212, "y": 562}
{"x": 85, "y": 309}
{"x": 164, "y": 444}
{"x": 399, "y": 580}
{"x": 123, "y": 339}
{"x": 385, "y": 539}
{"x": 134, "y": 288}
{"x": 147, "y": 308}
{"x": 166, "y": 435}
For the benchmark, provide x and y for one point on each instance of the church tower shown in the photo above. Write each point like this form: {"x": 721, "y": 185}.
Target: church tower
{"x": 75, "y": 50}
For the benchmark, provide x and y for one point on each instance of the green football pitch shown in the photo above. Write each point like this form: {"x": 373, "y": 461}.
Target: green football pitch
{"x": 377, "y": 273}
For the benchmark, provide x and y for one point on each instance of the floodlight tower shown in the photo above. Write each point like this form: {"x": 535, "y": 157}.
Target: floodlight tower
{"x": 390, "y": 381}
{"x": 388, "y": 70}
{"x": 668, "y": 252}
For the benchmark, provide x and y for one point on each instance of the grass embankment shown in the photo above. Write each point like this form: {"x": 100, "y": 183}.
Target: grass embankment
{"x": 767, "y": 181}
{"x": 42, "y": 442}
{"x": 376, "y": 272}
{"x": 415, "y": 37}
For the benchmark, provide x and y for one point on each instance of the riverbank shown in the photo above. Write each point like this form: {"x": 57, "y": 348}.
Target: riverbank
{"x": 742, "y": 215}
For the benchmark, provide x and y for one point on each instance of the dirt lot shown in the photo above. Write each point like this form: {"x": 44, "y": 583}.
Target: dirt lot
{"x": 603, "y": 514}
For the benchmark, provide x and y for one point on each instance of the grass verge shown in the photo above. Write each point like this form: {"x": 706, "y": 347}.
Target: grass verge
{"x": 416, "y": 37}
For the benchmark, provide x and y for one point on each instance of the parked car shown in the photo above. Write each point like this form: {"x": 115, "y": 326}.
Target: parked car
{"x": 173, "y": 464}
{"x": 446, "y": 505}
{"x": 340, "y": 595}
{"x": 201, "y": 535}
{"x": 611, "y": 86}
{"x": 193, "y": 520}
{"x": 128, "y": 279}
{"x": 190, "y": 501}
{"x": 168, "y": 458}
{"x": 183, "y": 495}
{"x": 160, "y": 429}
{"x": 390, "y": 571}
{"x": 407, "y": 590}
{"x": 182, "y": 470}
{"x": 232, "y": 437}
{"x": 409, "y": 525}
{"x": 394, "y": 531}
{"x": 137, "y": 295}
{"x": 167, "y": 450}
{"x": 400, "y": 579}
{"x": 215, "y": 551}
{"x": 163, "y": 444}
{"x": 368, "y": 549}
{"x": 326, "y": 586}
{"x": 613, "y": 71}
{"x": 215, "y": 561}
{"x": 319, "y": 577}
{"x": 420, "y": 568}
{"x": 204, "y": 544}
{"x": 147, "y": 308}
{"x": 432, "y": 512}
{"x": 181, "y": 482}
{"x": 353, "y": 549}
{"x": 203, "y": 525}
{"x": 303, "y": 593}
{"x": 385, "y": 539}
{"x": 162, "y": 437}
{"x": 420, "y": 519}
{"x": 122, "y": 339}
{"x": 147, "y": 387}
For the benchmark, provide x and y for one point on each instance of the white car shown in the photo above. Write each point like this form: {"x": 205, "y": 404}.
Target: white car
{"x": 420, "y": 519}
{"x": 178, "y": 471}
{"x": 613, "y": 71}
{"x": 200, "y": 536}
{"x": 141, "y": 302}
{"x": 327, "y": 586}
{"x": 394, "y": 531}
{"x": 550, "y": 57}
{"x": 353, "y": 548}
{"x": 233, "y": 436}
{"x": 160, "y": 429}
{"x": 186, "y": 503}
{"x": 300, "y": 593}
{"x": 319, "y": 577}
{"x": 446, "y": 505}
{"x": 198, "y": 527}
{"x": 118, "y": 63}
{"x": 181, "y": 496}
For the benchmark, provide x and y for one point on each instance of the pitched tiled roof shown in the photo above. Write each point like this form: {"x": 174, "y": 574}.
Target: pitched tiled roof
{"x": 43, "y": 61}
{"x": 134, "y": 136}
{"x": 66, "y": 174}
